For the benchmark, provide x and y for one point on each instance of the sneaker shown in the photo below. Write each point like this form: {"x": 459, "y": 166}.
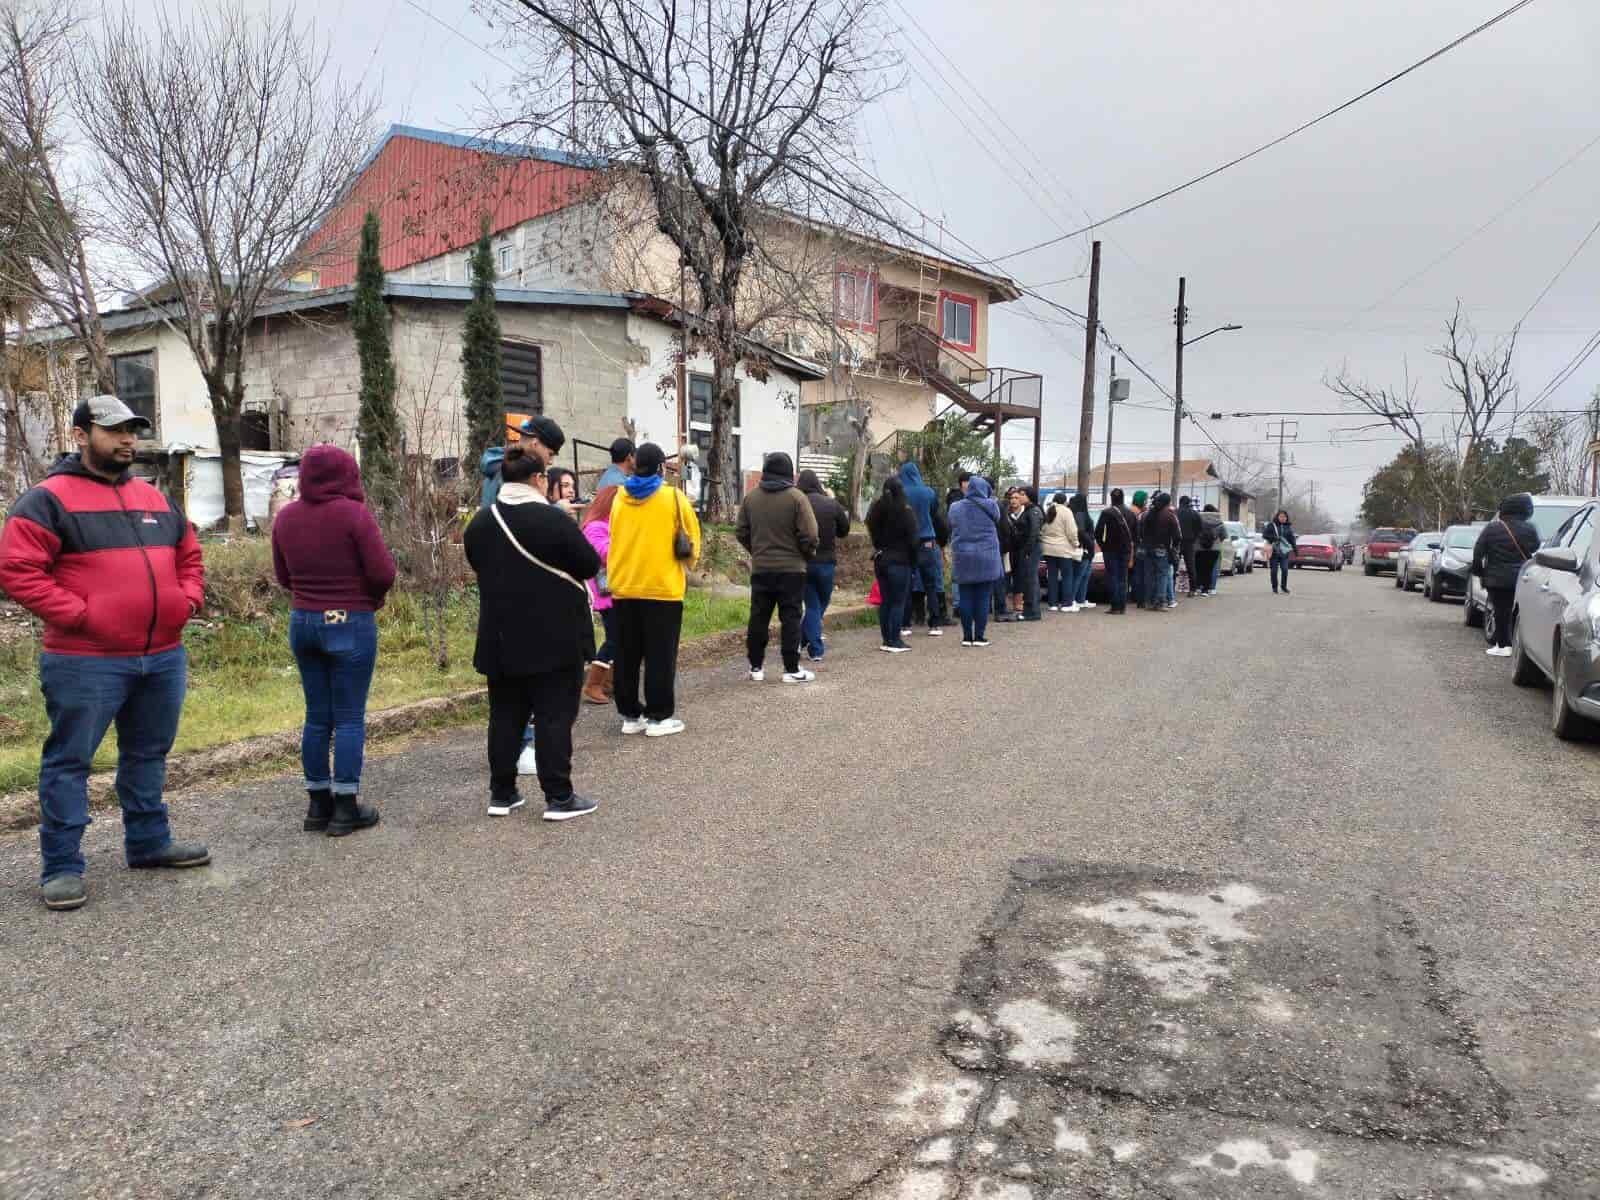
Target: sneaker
{"x": 573, "y": 806}
{"x": 907, "y": 632}
{"x": 800, "y": 676}
{"x": 1087, "y": 604}
{"x": 504, "y": 808}
{"x": 981, "y": 642}
{"x": 1171, "y": 604}
{"x": 813, "y": 654}
{"x": 966, "y": 643}
{"x": 174, "y": 854}
{"x": 634, "y": 725}
{"x": 1071, "y": 608}
{"x": 895, "y": 649}
{"x": 61, "y": 892}
{"x": 936, "y": 632}
{"x": 757, "y": 674}
{"x": 527, "y": 762}
{"x": 1499, "y": 651}
{"x": 664, "y": 728}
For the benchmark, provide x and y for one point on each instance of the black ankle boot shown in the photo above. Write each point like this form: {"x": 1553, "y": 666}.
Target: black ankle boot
{"x": 349, "y": 815}
{"x": 319, "y": 810}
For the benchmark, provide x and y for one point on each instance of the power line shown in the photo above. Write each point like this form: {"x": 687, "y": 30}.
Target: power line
{"x": 1543, "y": 292}
{"x": 1277, "y": 141}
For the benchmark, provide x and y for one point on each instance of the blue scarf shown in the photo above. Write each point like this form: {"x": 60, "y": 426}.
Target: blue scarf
{"x": 642, "y": 487}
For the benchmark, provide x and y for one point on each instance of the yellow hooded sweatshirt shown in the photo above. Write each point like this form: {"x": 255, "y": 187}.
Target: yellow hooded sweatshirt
{"x": 640, "y": 564}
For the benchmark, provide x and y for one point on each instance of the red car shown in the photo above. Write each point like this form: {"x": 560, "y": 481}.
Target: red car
{"x": 1314, "y": 550}
{"x": 1382, "y": 546}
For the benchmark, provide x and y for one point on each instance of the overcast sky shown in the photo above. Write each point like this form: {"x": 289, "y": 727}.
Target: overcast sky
{"x": 1303, "y": 245}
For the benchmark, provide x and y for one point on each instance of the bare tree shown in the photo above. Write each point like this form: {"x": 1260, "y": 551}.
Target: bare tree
{"x": 1563, "y": 440}
{"x": 727, "y": 112}
{"x": 222, "y": 143}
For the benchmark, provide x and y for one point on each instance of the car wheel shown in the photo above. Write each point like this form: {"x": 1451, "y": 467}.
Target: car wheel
{"x": 1398, "y": 585}
{"x": 1435, "y": 592}
{"x": 1473, "y": 618}
{"x": 1564, "y": 723}
{"x": 1524, "y": 672}
{"x": 1370, "y": 570}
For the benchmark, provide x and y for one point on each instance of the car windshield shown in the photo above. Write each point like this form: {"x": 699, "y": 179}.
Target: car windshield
{"x": 1395, "y": 535}
{"x": 1425, "y": 541}
{"x": 1462, "y": 537}
{"x": 1234, "y": 528}
{"x": 1547, "y": 518}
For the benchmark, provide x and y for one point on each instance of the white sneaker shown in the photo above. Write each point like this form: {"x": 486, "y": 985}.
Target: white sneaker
{"x": 800, "y": 676}
{"x": 505, "y": 810}
{"x": 634, "y": 725}
{"x": 527, "y": 764}
{"x": 981, "y": 642}
{"x": 1070, "y": 608}
{"x": 907, "y": 632}
{"x": 935, "y": 632}
{"x": 894, "y": 649}
{"x": 663, "y": 728}
{"x": 757, "y": 674}
{"x": 966, "y": 643}
{"x": 1087, "y": 604}
{"x": 1498, "y": 651}
{"x": 1505, "y": 652}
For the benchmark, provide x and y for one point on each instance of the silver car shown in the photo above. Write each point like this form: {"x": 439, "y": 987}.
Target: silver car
{"x": 1243, "y": 561}
{"x": 1411, "y": 561}
{"x": 1556, "y": 624}
{"x": 1549, "y": 512}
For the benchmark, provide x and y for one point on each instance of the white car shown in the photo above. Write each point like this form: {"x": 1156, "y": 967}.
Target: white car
{"x": 1244, "y": 560}
{"x": 1411, "y": 560}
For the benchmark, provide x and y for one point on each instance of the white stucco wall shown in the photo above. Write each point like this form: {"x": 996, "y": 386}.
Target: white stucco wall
{"x": 183, "y": 406}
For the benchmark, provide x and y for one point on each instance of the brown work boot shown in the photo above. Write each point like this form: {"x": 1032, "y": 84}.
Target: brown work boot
{"x": 594, "y": 681}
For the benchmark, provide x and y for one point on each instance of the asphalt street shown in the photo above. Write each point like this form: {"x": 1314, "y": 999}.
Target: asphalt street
{"x": 1268, "y": 897}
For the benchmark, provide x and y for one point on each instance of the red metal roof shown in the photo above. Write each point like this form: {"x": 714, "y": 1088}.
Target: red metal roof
{"x": 431, "y": 190}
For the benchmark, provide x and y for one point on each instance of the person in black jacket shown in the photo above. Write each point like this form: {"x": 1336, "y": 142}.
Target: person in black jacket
{"x": 892, "y": 526}
{"x": 1028, "y": 554}
{"x": 1114, "y": 533}
{"x": 1086, "y": 542}
{"x": 833, "y": 522}
{"x": 534, "y": 633}
{"x": 1503, "y": 546}
{"x": 1160, "y": 535}
{"x": 1189, "y": 538}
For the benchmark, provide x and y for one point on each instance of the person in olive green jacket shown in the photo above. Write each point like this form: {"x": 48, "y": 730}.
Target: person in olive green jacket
{"x": 778, "y": 526}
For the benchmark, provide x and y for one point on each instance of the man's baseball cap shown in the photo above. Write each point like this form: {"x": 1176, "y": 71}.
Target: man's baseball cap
{"x": 546, "y": 430}
{"x": 108, "y": 412}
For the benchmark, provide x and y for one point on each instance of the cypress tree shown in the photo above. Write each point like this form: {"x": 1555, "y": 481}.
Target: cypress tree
{"x": 379, "y": 422}
{"x": 480, "y": 358}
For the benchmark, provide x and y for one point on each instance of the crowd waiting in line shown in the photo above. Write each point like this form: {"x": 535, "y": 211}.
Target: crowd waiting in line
{"x": 115, "y": 572}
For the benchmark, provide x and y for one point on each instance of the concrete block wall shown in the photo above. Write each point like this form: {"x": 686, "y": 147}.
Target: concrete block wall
{"x": 304, "y": 369}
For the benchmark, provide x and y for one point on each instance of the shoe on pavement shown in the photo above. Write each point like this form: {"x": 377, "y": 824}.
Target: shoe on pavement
{"x": 894, "y": 649}
{"x": 981, "y": 642}
{"x": 907, "y": 632}
{"x": 757, "y": 674}
{"x": 528, "y": 761}
{"x": 573, "y": 806}
{"x": 800, "y": 676}
{"x": 1087, "y": 604}
{"x": 635, "y": 725}
{"x": 349, "y": 816}
{"x": 813, "y": 654}
{"x": 505, "y": 807}
{"x": 935, "y": 631}
{"x": 61, "y": 892}
{"x": 318, "y": 809}
{"x": 174, "y": 854}
{"x": 666, "y": 728}
{"x": 966, "y": 643}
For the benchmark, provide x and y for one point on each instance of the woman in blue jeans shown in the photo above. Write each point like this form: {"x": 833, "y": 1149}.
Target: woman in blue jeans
{"x": 975, "y": 524}
{"x": 893, "y": 528}
{"x": 327, "y": 550}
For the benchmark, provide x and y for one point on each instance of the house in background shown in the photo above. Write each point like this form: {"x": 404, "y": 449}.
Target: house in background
{"x": 1197, "y": 477}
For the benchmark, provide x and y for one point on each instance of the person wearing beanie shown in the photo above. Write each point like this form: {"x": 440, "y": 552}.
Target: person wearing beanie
{"x": 1142, "y": 587}
{"x": 1159, "y": 533}
{"x": 778, "y": 526}
{"x": 647, "y": 579}
{"x": 1189, "y": 527}
{"x": 833, "y": 522}
{"x": 622, "y": 452}
{"x": 542, "y": 438}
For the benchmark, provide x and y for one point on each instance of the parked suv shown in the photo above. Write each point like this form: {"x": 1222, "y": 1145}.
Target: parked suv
{"x": 1382, "y": 546}
{"x": 1556, "y": 634}
{"x": 1549, "y": 512}
{"x": 1450, "y": 565}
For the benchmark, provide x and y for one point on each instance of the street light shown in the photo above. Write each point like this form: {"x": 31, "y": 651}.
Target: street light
{"x": 1182, "y": 317}
{"x": 1209, "y": 332}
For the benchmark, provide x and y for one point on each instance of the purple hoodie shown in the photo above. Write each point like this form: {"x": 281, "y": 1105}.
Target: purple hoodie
{"x": 326, "y": 548}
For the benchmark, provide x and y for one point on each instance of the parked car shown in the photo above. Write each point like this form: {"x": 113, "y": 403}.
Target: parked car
{"x": 1382, "y": 547}
{"x": 1549, "y": 513}
{"x": 1236, "y": 556}
{"x": 1450, "y": 564}
{"x": 1411, "y": 563}
{"x": 1260, "y": 552}
{"x": 1316, "y": 550}
{"x": 1556, "y": 630}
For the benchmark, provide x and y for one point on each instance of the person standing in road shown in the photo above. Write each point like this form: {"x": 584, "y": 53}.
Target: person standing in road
{"x": 975, "y": 524}
{"x": 596, "y": 527}
{"x": 777, "y": 525}
{"x": 1159, "y": 533}
{"x": 1114, "y": 532}
{"x": 328, "y": 553}
{"x": 896, "y": 542}
{"x": 1208, "y": 555}
{"x": 1030, "y": 523}
{"x": 1188, "y": 541}
{"x": 929, "y": 566}
{"x": 113, "y": 570}
{"x": 833, "y": 522}
{"x": 1504, "y": 545}
{"x": 1086, "y": 544}
{"x": 1279, "y": 533}
{"x": 534, "y": 634}
{"x": 1058, "y": 543}
{"x": 655, "y": 539}
{"x": 622, "y": 452}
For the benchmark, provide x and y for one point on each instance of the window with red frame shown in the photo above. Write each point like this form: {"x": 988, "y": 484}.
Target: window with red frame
{"x": 958, "y": 320}
{"x": 856, "y": 292}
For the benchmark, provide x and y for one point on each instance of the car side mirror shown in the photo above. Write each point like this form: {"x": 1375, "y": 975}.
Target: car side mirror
{"x": 1558, "y": 558}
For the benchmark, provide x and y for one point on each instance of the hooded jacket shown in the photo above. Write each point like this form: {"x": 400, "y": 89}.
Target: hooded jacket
{"x": 777, "y": 525}
{"x": 640, "y": 563}
{"x": 1160, "y": 529}
{"x": 489, "y": 470}
{"x": 112, "y": 568}
{"x": 1058, "y": 537}
{"x": 326, "y": 548}
{"x": 1211, "y": 522}
{"x": 1506, "y": 543}
{"x": 1080, "y": 512}
{"x": 922, "y": 500}
{"x": 833, "y": 521}
{"x": 975, "y": 535}
{"x": 893, "y": 529}
{"x": 1188, "y": 523}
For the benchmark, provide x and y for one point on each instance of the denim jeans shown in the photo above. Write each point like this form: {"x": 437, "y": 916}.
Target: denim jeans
{"x": 1117, "y": 578}
{"x": 974, "y": 610}
{"x": 894, "y": 586}
{"x": 608, "y": 647}
{"x": 83, "y": 696}
{"x": 1158, "y": 569}
{"x": 1280, "y": 566}
{"x": 336, "y": 652}
{"x": 1060, "y": 579}
{"x": 1085, "y": 573}
{"x": 819, "y": 594}
{"x": 929, "y": 571}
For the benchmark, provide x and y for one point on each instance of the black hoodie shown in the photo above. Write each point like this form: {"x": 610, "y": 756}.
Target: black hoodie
{"x": 832, "y": 520}
{"x": 1507, "y": 542}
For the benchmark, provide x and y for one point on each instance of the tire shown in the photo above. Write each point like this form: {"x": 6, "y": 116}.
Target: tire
{"x": 1398, "y": 585}
{"x": 1524, "y": 671}
{"x": 1369, "y": 569}
{"x": 1435, "y": 592}
{"x": 1473, "y": 618}
{"x": 1564, "y": 723}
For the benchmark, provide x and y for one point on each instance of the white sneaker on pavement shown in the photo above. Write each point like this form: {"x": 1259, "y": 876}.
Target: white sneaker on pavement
{"x": 634, "y": 725}
{"x": 935, "y": 632}
{"x": 800, "y": 676}
{"x": 1087, "y": 604}
{"x": 757, "y": 674}
{"x": 663, "y": 728}
{"x": 527, "y": 764}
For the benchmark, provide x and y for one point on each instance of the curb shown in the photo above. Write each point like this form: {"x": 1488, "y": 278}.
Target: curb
{"x": 20, "y": 810}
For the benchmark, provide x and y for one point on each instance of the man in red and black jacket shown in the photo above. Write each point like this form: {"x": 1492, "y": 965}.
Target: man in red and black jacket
{"x": 113, "y": 570}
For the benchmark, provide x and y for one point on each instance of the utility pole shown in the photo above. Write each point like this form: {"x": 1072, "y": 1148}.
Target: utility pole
{"x": 1181, "y": 316}
{"x": 1111, "y": 410}
{"x": 1282, "y": 436}
{"x": 1091, "y": 334}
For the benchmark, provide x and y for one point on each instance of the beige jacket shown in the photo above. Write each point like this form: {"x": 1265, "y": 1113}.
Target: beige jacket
{"x": 1059, "y": 538}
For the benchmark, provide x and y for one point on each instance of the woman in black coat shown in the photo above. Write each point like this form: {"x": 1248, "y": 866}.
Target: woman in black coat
{"x": 893, "y": 528}
{"x": 1504, "y": 545}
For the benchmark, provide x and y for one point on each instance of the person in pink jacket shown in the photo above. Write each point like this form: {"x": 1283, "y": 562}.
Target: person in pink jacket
{"x": 596, "y": 525}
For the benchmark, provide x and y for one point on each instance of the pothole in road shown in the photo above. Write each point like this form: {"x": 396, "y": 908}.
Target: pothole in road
{"x": 1123, "y": 1032}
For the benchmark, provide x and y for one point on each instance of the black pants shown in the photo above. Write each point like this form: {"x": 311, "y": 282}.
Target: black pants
{"x": 1502, "y": 599}
{"x": 1195, "y": 585}
{"x": 785, "y": 591}
{"x": 1206, "y": 562}
{"x": 550, "y": 701}
{"x": 647, "y": 636}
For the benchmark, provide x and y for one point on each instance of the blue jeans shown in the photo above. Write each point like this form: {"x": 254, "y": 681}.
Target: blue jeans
{"x": 1117, "y": 578}
{"x": 819, "y": 593}
{"x": 1158, "y": 570}
{"x": 929, "y": 571}
{"x": 974, "y": 610}
{"x": 1280, "y": 566}
{"x": 1060, "y": 578}
{"x": 894, "y": 591}
{"x": 143, "y": 695}
{"x": 1085, "y": 572}
{"x": 336, "y": 659}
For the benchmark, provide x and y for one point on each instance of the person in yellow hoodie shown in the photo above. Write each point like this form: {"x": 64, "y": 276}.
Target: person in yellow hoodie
{"x": 647, "y": 581}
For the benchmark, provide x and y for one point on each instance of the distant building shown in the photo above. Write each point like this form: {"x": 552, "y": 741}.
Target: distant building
{"x": 1197, "y": 477}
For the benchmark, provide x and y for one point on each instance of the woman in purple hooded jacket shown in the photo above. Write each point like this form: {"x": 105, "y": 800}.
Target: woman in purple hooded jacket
{"x": 327, "y": 551}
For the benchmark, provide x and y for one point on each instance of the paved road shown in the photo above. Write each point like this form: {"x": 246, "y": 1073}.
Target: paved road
{"x": 1263, "y": 898}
